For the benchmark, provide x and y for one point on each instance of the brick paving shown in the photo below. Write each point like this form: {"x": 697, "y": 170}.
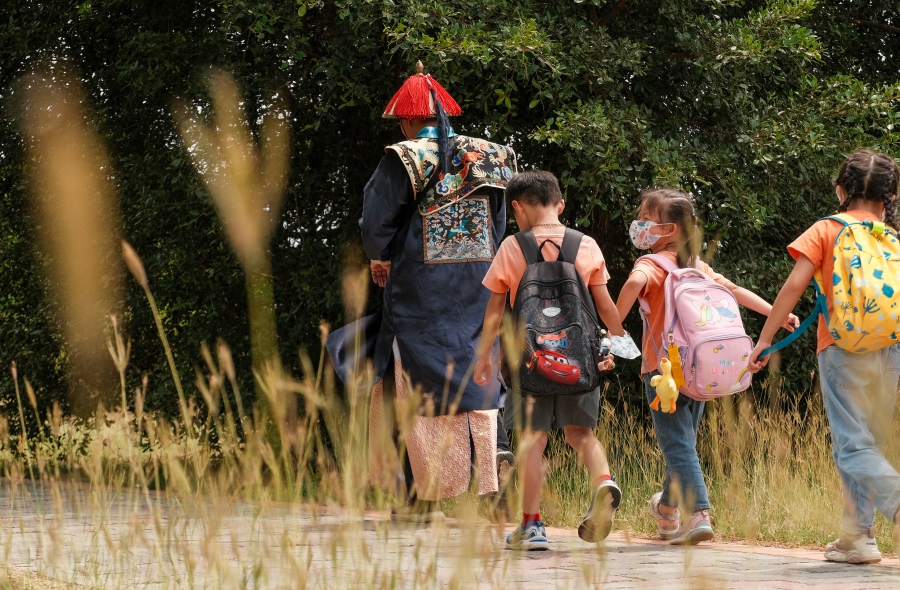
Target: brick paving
{"x": 74, "y": 535}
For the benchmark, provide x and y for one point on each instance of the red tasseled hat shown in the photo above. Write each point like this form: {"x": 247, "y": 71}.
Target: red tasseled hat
{"x": 414, "y": 101}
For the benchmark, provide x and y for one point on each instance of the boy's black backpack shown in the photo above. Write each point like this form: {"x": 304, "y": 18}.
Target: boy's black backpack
{"x": 554, "y": 306}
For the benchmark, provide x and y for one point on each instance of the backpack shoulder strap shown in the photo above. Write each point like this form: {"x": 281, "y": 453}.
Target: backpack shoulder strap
{"x": 528, "y": 244}
{"x": 662, "y": 262}
{"x": 659, "y": 260}
{"x": 847, "y": 222}
{"x": 570, "y": 245}
{"x": 842, "y": 218}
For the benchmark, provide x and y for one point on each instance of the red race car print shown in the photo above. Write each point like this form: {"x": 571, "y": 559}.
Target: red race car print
{"x": 554, "y": 365}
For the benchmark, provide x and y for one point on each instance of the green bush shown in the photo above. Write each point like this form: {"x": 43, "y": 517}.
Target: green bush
{"x": 750, "y": 105}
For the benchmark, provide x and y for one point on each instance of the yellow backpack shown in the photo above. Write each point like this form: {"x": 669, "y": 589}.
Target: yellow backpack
{"x": 865, "y": 289}
{"x": 866, "y": 286}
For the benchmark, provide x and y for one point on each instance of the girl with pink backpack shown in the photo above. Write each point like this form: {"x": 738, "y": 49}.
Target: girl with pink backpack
{"x": 690, "y": 317}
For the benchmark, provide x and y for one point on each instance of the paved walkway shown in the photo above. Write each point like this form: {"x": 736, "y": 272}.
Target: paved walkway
{"x": 73, "y": 535}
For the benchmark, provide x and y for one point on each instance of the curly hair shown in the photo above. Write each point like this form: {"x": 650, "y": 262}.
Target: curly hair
{"x": 870, "y": 176}
{"x": 675, "y": 206}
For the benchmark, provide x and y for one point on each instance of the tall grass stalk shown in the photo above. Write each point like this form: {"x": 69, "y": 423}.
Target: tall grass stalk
{"x": 133, "y": 261}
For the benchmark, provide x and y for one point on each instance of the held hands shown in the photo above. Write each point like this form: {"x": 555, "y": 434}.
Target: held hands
{"x": 754, "y": 363}
{"x": 380, "y": 271}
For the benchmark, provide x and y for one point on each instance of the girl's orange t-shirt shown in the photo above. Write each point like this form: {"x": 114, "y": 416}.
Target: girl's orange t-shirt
{"x": 655, "y": 297}
{"x": 509, "y": 264}
{"x": 817, "y": 244}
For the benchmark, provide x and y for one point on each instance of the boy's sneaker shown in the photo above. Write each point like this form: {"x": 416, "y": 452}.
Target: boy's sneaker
{"x": 598, "y": 521}
{"x": 859, "y": 549}
{"x": 696, "y": 530}
{"x": 528, "y": 537}
{"x": 666, "y": 524}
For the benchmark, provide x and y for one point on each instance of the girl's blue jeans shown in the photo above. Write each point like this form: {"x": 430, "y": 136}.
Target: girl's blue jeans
{"x": 860, "y": 392}
{"x": 677, "y": 437}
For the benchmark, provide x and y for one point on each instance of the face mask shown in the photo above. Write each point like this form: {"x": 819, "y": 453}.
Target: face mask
{"x": 640, "y": 235}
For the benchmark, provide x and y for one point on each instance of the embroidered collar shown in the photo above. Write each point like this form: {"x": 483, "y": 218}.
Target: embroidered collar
{"x": 432, "y": 133}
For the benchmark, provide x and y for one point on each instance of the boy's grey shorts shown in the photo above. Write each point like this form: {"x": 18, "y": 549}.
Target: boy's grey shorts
{"x": 552, "y": 411}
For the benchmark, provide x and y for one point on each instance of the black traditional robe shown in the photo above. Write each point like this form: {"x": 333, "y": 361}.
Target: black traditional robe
{"x": 434, "y": 301}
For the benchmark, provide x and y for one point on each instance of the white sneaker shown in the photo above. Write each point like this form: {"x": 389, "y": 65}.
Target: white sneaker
{"x": 862, "y": 549}
{"x": 528, "y": 537}
{"x": 597, "y": 523}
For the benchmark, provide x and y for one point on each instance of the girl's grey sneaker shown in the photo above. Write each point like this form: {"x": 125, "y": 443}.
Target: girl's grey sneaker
{"x": 859, "y": 549}
{"x": 696, "y": 530}
{"x": 528, "y": 537}
{"x": 666, "y": 524}
{"x": 598, "y": 521}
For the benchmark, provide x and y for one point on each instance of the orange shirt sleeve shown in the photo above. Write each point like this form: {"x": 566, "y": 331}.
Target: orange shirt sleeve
{"x": 813, "y": 243}
{"x": 596, "y": 271}
{"x": 652, "y": 272}
{"x": 498, "y": 277}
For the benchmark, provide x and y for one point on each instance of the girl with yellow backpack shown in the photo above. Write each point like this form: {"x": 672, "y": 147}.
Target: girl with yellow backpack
{"x": 854, "y": 257}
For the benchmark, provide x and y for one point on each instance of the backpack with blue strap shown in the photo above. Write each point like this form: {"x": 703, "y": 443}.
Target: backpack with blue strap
{"x": 865, "y": 289}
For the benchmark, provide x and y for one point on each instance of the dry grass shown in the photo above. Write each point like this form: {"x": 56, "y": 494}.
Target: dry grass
{"x": 230, "y": 495}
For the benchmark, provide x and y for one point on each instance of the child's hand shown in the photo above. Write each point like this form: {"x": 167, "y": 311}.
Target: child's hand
{"x": 754, "y": 363}
{"x": 608, "y": 364}
{"x": 791, "y": 322}
{"x": 484, "y": 370}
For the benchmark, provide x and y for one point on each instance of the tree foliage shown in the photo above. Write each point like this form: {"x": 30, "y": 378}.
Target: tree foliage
{"x": 749, "y": 104}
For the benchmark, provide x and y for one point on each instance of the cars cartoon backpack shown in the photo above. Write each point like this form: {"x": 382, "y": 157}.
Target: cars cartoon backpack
{"x": 560, "y": 352}
{"x": 704, "y": 335}
{"x": 865, "y": 288}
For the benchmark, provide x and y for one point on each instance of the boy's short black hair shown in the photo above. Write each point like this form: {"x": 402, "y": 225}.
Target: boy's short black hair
{"x": 534, "y": 187}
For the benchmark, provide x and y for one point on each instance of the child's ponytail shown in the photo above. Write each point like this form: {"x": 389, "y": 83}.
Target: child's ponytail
{"x": 870, "y": 176}
{"x": 675, "y": 206}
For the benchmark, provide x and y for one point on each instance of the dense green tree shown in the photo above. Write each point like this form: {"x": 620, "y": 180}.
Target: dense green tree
{"x": 748, "y": 104}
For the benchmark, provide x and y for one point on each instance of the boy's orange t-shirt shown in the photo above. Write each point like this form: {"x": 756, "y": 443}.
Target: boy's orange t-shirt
{"x": 817, "y": 244}
{"x": 655, "y": 296}
{"x": 509, "y": 264}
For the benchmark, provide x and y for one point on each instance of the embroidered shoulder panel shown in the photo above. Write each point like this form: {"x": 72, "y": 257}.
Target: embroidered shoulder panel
{"x": 420, "y": 158}
{"x": 475, "y": 164}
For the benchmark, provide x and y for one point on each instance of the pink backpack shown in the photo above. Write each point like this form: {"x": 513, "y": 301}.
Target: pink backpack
{"x": 703, "y": 328}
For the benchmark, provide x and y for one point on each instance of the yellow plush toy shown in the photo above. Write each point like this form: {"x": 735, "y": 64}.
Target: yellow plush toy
{"x": 666, "y": 389}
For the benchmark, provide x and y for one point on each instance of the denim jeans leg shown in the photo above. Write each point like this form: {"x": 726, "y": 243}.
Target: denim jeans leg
{"x": 859, "y": 394}
{"x": 677, "y": 437}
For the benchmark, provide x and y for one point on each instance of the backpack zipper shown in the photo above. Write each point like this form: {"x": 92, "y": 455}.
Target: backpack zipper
{"x": 590, "y": 313}
{"x": 693, "y": 362}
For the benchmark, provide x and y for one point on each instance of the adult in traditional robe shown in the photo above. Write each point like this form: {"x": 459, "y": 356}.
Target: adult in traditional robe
{"x": 433, "y": 217}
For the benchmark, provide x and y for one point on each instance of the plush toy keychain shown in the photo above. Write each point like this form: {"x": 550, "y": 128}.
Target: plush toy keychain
{"x": 666, "y": 388}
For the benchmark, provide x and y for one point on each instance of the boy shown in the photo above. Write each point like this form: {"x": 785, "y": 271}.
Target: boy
{"x": 537, "y": 203}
